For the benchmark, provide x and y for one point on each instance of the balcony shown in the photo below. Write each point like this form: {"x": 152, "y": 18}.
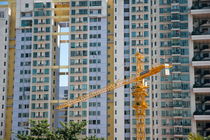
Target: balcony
{"x": 198, "y": 47}
{"x": 200, "y": 7}
{"x": 202, "y": 106}
{"x": 201, "y": 62}
{"x": 201, "y": 86}
{"x": 205, "y": 133}
{"x": 202, "y": 102}
{"x": 201, "y": 34}
{"x": 203, "y": 128}
{"x": 180, "y": 132}
{"x": 175, "y": 2}
{"x": 202, "y": 115}
{"x": 201, "y": 30}
{"x": 202, "y": 72}
{"x": 201, "y": 58}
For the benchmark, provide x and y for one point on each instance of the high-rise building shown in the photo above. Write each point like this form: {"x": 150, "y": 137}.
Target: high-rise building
{"x": 160, "y": 30}
{"x": 102, "y": 38}
{"x": 41, "y": 27}
{"x": 7, "y": 48}
{"x": 200, "y": 69}
{"x": 88, "y": 63}
{"x": 23, "y": 61}
{"x": 4, "y": 50}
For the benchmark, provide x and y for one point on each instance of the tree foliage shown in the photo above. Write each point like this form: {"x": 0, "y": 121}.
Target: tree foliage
{"x": 69, "y": 131}
{"x": 39, "y": 131}
{"x": 196, "y": 136}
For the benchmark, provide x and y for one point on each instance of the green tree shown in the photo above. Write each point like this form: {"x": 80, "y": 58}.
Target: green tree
{"x": 207, "y": 138}
{"x": 71, "y": 130}
{"x": 196, "y": 136}
{"x": 39, "y": 131}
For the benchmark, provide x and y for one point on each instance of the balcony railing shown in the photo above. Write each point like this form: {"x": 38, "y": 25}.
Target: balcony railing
{"x": 202, "y": 73}
{"x": 200, "y": 5}
{"x": 201, "y": 85}
{"x": 204, "y": 133}
{"x": 207, "y": 98}
{"x": 198, "y": 58}
{"x": 201, "y": 112}
{"x": 203, "y": 99}
{"x": 201, "y": 32}
{"x": 201, "y": 47}
{"x": 175, "y": 1}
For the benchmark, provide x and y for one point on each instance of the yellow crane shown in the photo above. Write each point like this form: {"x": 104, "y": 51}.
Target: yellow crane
{"x": 139, "y": 93}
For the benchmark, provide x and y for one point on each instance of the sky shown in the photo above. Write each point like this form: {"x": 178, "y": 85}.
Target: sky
{"x": 64, "y": 58}
{"x": 3, "y": 2}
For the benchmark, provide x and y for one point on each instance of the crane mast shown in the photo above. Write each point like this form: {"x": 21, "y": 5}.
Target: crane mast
{"x": 139, "y": 93}
{"x": 140, "y": 105}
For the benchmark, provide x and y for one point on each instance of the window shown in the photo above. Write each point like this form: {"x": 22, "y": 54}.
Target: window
{"x": 126, "y": 9}
{"x": 26, "y": 5}
{"x": 126, "y": 1}
{"x": 38, "y": 5}
{"x": 26, "y": 23}
{"x": 95, "y": 3}
{"x": 1, "y": 14}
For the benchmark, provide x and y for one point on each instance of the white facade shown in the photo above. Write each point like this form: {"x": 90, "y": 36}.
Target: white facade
{"x": 159, "y": 29}
{"x": 37, "y": 48}
{"x": 4, "y": 49}
{"x": 178, "y": 104}
{"x": 22, "y": 71}
{"x": 88, "y": 61}
{"x": 119, "y": 71}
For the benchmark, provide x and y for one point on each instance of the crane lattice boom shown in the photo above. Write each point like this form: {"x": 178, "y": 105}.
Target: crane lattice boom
{"x": 139, "y": 94}
{"x": 111, "y": 87}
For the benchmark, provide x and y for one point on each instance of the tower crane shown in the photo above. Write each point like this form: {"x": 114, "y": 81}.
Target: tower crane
{"x": 139, "y": 93}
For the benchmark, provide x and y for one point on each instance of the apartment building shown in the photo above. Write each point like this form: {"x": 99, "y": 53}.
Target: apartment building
{"x": 160, "y": 30}
{"x": 4, "y": 49}
{"x": 102, "y": 37}
{"x": 174, "y": 32}
{"x": 130, "y": 37}
{"x": 23, "y": 61}
{"x": 39, "y": 34}
{"x": 199, "y": 55}
{"x": 87, "y": 55}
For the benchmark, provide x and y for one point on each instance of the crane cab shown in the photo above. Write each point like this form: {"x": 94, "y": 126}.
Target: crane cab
{"x": 167, "y": 71}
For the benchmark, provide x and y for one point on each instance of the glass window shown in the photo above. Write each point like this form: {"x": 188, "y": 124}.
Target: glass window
{"x": 48, "y": 5}
{"x": 33, "y": 97}
{"x": 47, "y": 21}
{"x": 38, "y": 5}
{"x": 146, "y": 17}
{"x": 26, "y": 23}
{"x": 33, "y": 88}
{"x": 146, "y": 33}
{"x": 47, "y": 29}
{"x": 73, "y": 28}
{"x": 84, "y": 104}
{"x": 84, "y": 86}
{"x": 133, "y": 34}
{"x": 46, "y": 71}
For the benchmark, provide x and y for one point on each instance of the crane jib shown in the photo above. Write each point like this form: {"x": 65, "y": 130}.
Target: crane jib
{"x": 111, "y": 87}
